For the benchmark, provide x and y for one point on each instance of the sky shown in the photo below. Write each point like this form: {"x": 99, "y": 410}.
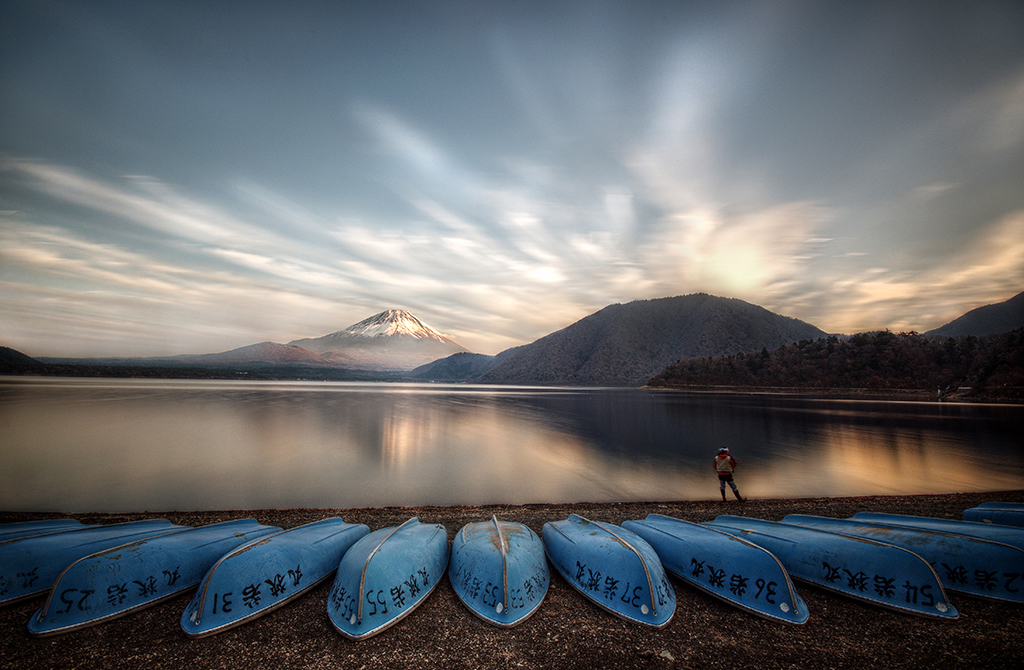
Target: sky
{"x": 192, "y": 177}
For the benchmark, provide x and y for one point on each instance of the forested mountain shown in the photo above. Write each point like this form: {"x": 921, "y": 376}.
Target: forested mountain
{"x": 991, "y": 366}
{"x": 988, "y": 320}
{"x": 626, "y": 344}
{"x": 13, "y": 361}
{"x": 460, "y": 367}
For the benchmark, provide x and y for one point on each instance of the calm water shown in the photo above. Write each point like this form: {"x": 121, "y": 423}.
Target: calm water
{"x": 80, "y": 445}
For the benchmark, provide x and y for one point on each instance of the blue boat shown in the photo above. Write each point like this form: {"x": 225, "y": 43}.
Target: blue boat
{"x": 859, "y": 568}
{"x": 612, "y": 567}
{"x": 30, "y": 565}
{"x": 1001, "y": 505}
{"x": 724, "y": 566}
{"x": 264, "y": 574}
{"x": 989, "y": 513}
{"x": 385, "y": 576}
{"x": 1010, "y": 535}
{"x": 498, "y": 570}
{"x": 13, "y": 531}
{"x": 964, "y": 564}
{"x": 133, "y": 576}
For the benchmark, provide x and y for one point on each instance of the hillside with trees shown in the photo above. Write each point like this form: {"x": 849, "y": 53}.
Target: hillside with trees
{"x": 625, "y": 344}
{"x": 992, "y": 319}
{"x": 882, "y": 361}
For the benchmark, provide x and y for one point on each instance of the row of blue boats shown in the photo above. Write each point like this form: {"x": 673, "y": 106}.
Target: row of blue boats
{"x": 241, "y": 569}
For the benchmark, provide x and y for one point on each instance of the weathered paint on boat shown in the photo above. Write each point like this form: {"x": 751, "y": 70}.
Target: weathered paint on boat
{"x": 133, "y": 576}
{"x": 13, "y": 531}
{"x": 613, "y": 567}
{"x": 498, "y": 570}
{"x": 264, "y": 574}
{"x": 727, "y": 567}
{"x": 385, "y": 576}
{"x": 30, "y": 565}
{"x": 997, "y": 515}
{"x": 964, "y": 564}
{"x": 1010, "y": 535}
{"x": 859, "y": 568}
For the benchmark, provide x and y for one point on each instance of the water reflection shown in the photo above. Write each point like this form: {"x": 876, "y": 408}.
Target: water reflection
{"x": 107, "y": 445}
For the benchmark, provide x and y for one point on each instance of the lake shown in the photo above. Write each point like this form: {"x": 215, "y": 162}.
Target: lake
{"x": 126, "y": 445}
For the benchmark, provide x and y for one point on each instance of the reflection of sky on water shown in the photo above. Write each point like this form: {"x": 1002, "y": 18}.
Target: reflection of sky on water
{"x": 84, "y": 445}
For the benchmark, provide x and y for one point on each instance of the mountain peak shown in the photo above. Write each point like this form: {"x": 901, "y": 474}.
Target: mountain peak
{"x": 393, "y": 322}
{"x": 627, "y": 344}
{"x": 391, "y": 340}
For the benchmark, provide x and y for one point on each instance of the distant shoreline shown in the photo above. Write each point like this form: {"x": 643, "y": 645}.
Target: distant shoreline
{"x": 211, "y": 374}
{"x": 906, "y": 395}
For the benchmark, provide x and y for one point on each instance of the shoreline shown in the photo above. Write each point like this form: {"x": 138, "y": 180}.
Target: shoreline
{"x": 567, "y": 632}
{"x": 807, "y": 392}
{"x": 837, "y": 393}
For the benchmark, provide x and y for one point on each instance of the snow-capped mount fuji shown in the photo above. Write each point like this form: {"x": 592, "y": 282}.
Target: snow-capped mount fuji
{"x": 392, "y": 322}
{"x": 392, "y": 340}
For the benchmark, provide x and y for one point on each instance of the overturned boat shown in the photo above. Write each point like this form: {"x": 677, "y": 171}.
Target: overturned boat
{"x": 724, "y": 566}
{"x": 132, "y": 576}
{"x": 30, "y": 565}
{"x": 1010, "y": 535}
{"x": 13, "y": 531}
{"x": 265, "y": 574}
{"x": 498, "y": 570}
{"x": 867, "y": 570}
{"x": 1006, "y": 514}
{"x": 964, "y": 564}
{"x": 1001, "y": 505}
{"x": 614, "y": 568}
{"x": 385, "y": 576}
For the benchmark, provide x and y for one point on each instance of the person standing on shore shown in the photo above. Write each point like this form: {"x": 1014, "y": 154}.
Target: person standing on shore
{"x": 725, "y": 465}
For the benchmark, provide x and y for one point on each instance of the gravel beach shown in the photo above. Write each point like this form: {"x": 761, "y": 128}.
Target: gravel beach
{"x": 567, "y": 632}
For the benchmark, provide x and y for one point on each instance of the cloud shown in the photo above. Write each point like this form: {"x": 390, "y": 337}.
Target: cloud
{"x": 989, "y": 269}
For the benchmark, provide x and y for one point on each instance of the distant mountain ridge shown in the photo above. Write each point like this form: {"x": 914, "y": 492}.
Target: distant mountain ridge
{"x": 620, "y": 345}
{"x": 263, "y": 352}
{"x": 393, "y": 341}
{"x": 627, "y": 344}
{"x": 994, "y": 319}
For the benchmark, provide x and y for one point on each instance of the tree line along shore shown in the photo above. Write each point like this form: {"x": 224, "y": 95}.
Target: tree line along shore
{"x": 884, "y": 362}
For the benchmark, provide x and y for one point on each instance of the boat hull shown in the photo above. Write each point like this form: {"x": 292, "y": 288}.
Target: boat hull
{"x": 1010, "y": 535}
{"x": 859, "y": 568}
{"x": 277, "y": 569}
{"x": 30, "y": 565}
{"x": 964, "y": 564}
{"x": 996, "y": 515}
{"x": 724, "y": 566}
{"x": 612, "y": 567}
{"x": 13, "y": 531}
{"x": 385, "y": 576}
{"x": 1002, "y": 505}
{"x": 499, "y": 571}
{"x": 133, "y": 576}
